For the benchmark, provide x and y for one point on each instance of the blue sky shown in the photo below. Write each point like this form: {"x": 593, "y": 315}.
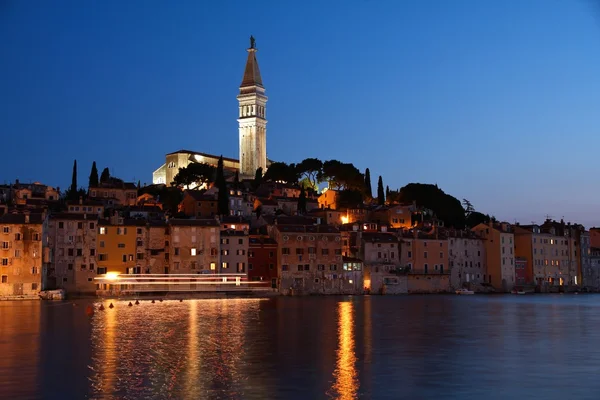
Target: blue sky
{"x": 495, "y": 101}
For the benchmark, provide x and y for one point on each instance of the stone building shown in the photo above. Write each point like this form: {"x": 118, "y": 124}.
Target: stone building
{"x": 21, "y": 255}
{"x": 193, "y": 246}
{"x": 311, "y": 260}
{"x": 234, "y": 252}
{"x": 466, "y": 259}
{"x": 72, "y": 239}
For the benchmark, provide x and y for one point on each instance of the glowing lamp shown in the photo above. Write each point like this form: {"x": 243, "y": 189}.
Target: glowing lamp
{"x": 112, "y": 276}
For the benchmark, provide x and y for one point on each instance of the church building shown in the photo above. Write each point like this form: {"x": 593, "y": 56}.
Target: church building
{"x": 252, "y": 132}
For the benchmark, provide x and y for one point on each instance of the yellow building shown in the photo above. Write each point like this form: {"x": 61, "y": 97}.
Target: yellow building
{"x": 117, "y": 247}
{"x": 499, "y": 252}
{"x": 21, "y": 255}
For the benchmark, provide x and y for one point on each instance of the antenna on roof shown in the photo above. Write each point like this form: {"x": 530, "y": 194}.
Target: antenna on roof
{"x": 548, "y": 216}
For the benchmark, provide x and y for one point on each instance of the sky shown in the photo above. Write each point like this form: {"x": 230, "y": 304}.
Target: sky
{"x": 494, "y": 101}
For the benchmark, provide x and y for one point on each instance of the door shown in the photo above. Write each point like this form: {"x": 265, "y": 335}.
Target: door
{"x": 18, "y": 289}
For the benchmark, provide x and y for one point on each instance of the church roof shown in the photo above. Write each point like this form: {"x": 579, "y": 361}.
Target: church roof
{"x": 252, "y": 72}
{"x": 183, "y": 151}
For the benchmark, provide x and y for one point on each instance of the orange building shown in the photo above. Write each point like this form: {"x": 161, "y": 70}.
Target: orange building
{"x": 499, "y": 251}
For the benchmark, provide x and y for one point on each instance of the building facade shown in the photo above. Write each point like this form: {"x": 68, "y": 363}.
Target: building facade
{"x": 466, "y": 259}
{"x": 499, "y": 254}
{"x": 21, "y": 255}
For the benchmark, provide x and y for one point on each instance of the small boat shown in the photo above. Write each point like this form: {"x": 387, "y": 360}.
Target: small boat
{"x": 464, "y": 291}
{"x": 520, "y": 292}
{"x": 58, "y": 294}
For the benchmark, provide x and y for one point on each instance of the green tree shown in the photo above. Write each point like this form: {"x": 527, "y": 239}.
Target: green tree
{"x": 223, "y": 197}
{"x": 281, "y": 172}
{"x": 105, "y": 176}
{"x": 342, "y": 176}
{"x": 368, "y": 188}
{"x": 302, "y": 201}
{"x": 74, "y": 178}
{"x": 195, "y": 173}
{"x": 236, "y": 180}
{"x": 445, "y": 207}
{"x": 258, "y": 177}
{"x": 311, "y": 169}
{"x": 380, "y": 192}
{"x": 93, "y": 176}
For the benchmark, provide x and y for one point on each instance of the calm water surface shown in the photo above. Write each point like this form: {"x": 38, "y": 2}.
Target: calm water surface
{"x": 409, "y": 347}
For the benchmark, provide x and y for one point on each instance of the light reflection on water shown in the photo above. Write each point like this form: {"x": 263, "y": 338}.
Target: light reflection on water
{"x": 346, "y": 380}
{"x": 170, "y": 349}
{"x": 378, "y": 347}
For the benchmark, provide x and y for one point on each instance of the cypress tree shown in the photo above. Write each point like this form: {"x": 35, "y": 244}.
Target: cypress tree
{"x": 223, "y": 197}
{"x": 302, "y": 201}
{"x": 74, "y": 178}
{"x": 380, "y": 192}
{"x": 105, "y": 175}
{"x": 93, "y": 176}
{"x": 258, "y": 176}
{"x": 236, "y": 180}
{"x": 368, "y": 189}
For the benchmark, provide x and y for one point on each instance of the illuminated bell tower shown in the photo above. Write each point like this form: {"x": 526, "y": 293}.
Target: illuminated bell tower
{"x": 252, "y": 118}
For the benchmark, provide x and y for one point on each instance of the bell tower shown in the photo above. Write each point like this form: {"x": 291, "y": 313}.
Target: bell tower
{"x": 252, "y": 118}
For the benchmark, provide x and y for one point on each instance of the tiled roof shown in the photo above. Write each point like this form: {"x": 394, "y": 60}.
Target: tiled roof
{"x": 20, "y": 219}
{"x": 193, "y": 222}
{"x": 74, "y": 216}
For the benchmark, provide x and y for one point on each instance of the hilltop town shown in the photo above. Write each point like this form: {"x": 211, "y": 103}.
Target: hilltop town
{"x": 315, "y": 227}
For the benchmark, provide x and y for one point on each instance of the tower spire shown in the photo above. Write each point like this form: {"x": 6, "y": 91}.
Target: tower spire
{"x": 252, "y": 72}
{"x": 252, "y": 117}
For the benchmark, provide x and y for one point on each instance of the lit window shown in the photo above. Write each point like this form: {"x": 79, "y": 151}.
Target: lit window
{"x": 193, "y": 250}
{"x": 350, "y": 281}
{"x": 213, "y": 266}
{"x": 102, "y": 230}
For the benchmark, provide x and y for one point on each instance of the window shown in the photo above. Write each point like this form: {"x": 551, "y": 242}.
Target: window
{"x": 213, "y": 266}
{"x": 92, "y": 225}
{"x": 124, "y": 258}
{"x": 325, "y": 252}
{"x": 176, "y": 251}
{"x": 61, "y": 225}
{"x": 5, "y": 261}
{"x": 121, "y": 231}
{"x": 17, "y": 253}
{"x": 102, "y": 230}
{"x": 442, "y": 254}
{"x": 424, "y": 254}
{"x": 241, "y": 267}
{"x": 92, "y": 252}
{"x": 34, "y": 286}
{"x": 271, "y": 254}
{"x": 91, "y": 266}
{"x": 101, "y": 270}
{"x": 79, "y": 252}
{"x": 131, "y": 257}
{"x": 409, "y": 254}
{"x": 224, "y": 241}
{"x": 300, "y": 268}
{"x": 224, "y": 265}
{"x": 249, "y": 267}
{"x": 17, "y": 236}
{"x": 271, "y": 266}
{"x": 70, "y": 267}
{"x": 121, "y": 245}
{"x": 193, "y": 251}
{"x": 241, "y": 252}
{"x": 285, "y": 250}
{"x": 176, "y": 265}
{"x": 321, "y": 267}
{"x": 299, "y": 251}
{"x": 102, "y": 257}
{"x": 139, "y": 256}
{"x": 250, "y": 254}
{"x": 6, "y": 245}
{"x": 70, "y": 252}
{"x": 4, "y": 279}
{"x": 284, "y": 267}
{"x": 102, "y": 243}
{"x": 333, "y": 267}
{"x": 80, "y": 225}
{"x": 240, "y": 241}
{"x": 224, "y": 252}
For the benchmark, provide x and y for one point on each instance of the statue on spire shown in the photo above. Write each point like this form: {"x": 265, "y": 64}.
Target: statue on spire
{"x": 252, "y": 42}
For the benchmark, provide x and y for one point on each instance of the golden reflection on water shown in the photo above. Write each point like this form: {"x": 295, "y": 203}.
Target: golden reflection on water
{"x": 346, "y": 379}
{"x": 191, "y": 349}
